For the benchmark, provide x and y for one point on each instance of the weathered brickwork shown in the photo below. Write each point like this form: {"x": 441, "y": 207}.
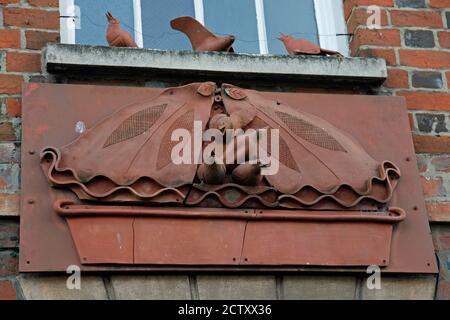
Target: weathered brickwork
{"x": 414, "y": 39}
{"x": 25, "y": 28}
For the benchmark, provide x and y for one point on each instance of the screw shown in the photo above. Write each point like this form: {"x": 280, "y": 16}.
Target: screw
{"x": 31, "y": 152}
{"x": 415, "y": 208}
{"x": 30, "y": 201}
{"x": 408, "y": 159}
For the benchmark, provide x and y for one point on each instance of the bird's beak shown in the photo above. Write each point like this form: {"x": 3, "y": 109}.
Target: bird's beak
{"x": 282, "y": 36}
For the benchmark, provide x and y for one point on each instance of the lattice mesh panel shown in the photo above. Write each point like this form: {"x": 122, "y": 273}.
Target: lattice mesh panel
{"x": 135, "y": 125}
{"x": 285, "y": 155}
{"x": 310, "y": 132}
{"x": 186, "y": 121}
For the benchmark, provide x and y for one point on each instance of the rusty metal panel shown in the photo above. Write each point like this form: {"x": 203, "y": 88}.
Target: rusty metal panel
{"x": 188, "y": 242}
{"x": 51, "y": 113}
{"x": 102, "y": 240}
{"x": 317, "y": 244}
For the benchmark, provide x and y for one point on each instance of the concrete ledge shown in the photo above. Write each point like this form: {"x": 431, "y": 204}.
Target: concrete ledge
{"x": 162, "y": 287}
{"x": 404, "y": 288}
{"x": 319, "y": 287}
{"x": 43, "y": 287}
{"x": 63, "y": 59}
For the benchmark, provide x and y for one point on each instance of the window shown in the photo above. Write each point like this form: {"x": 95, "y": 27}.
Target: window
{"x": 255, "y": 23}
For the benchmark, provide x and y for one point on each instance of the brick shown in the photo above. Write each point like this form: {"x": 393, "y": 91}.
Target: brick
{"x": 9, "y": 1}
{"x": 9, "y": 176}
{"x": 10, "y": 83}
{"x": 39, "y": 39}
{"x": 439, "y": 4}
{"x": 7, "y": 132}
{"x": 443, "y": 290}
{"x": 319, "y": 287}
{"x": 228, "y": 287}
{"x": 425, "y": 59}
{"x": 432, "y": 187}
{"x": 407, "y": 18}
{"x": 441, "y": 234}
{"x": 427, "y": 79}
{"x": 444, "y": 39}
{"x": 44, "y": 3}
{"x": 9, "y": 204}
{"x": 441, "y": 163}
{"x": 411, "y": 122}
{"x": 431, "y": 144}
{"x": 431, "y": 123}
{"x": 397, "y": 78}
{"x": 379, "y": 37}
{"x": 419, "y": 38}
{"x": 13, "y": 107}
{"x": 401, "y": 288}
{"x": 422, "y": 162}
{"x": 9, "y": 38}
{"x": 380, "y": 3}
{"x": 9, "y": 234}
{"x": 43, "y": 287}
{"x": 31, "y": 18}
{"x": 387, "y": 54}
{"x": 410, "y": 3}
{"x": 7, "y": 291}
{"x": 348, "y": 7}
{"x": 8, "y": 152}
{"x": 159, "y": 287}
{"x": 444, "y": 264}
{"x": 426, "y": 100}
{"x": 359, "y": 18}
{"x": 9, "y": 262}
{"x": 23, "y": 62}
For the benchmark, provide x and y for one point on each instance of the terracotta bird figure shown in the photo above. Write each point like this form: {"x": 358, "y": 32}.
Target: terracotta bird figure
{"x": 297, "y": 47}
{"x": 116, "y": 36}
{"x": 212, "y": 173}
{"x": 248, "y": 174}
{"x": 201, "y": 38}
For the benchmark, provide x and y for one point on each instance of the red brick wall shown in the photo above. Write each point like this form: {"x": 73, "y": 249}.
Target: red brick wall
{"x": 414, "y": 38}
{"x": 25, "y": 27}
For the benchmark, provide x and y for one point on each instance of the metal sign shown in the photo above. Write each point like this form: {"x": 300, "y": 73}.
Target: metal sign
{"x": 345, "y": 194}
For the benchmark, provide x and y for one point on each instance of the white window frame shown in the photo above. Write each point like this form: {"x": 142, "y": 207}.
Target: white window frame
{"x": 331, "y": 25}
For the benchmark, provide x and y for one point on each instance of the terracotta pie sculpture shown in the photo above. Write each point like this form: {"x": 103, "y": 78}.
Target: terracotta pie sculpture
{"x": 127, "y": 157}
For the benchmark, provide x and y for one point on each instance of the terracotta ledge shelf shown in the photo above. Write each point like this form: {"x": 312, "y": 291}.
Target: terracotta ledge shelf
{"x": 66, "y": 59}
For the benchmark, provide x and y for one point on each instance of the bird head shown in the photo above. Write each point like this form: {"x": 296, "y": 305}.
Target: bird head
{"x": 111, "y": 18}
{"x": 284, "y": 37}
